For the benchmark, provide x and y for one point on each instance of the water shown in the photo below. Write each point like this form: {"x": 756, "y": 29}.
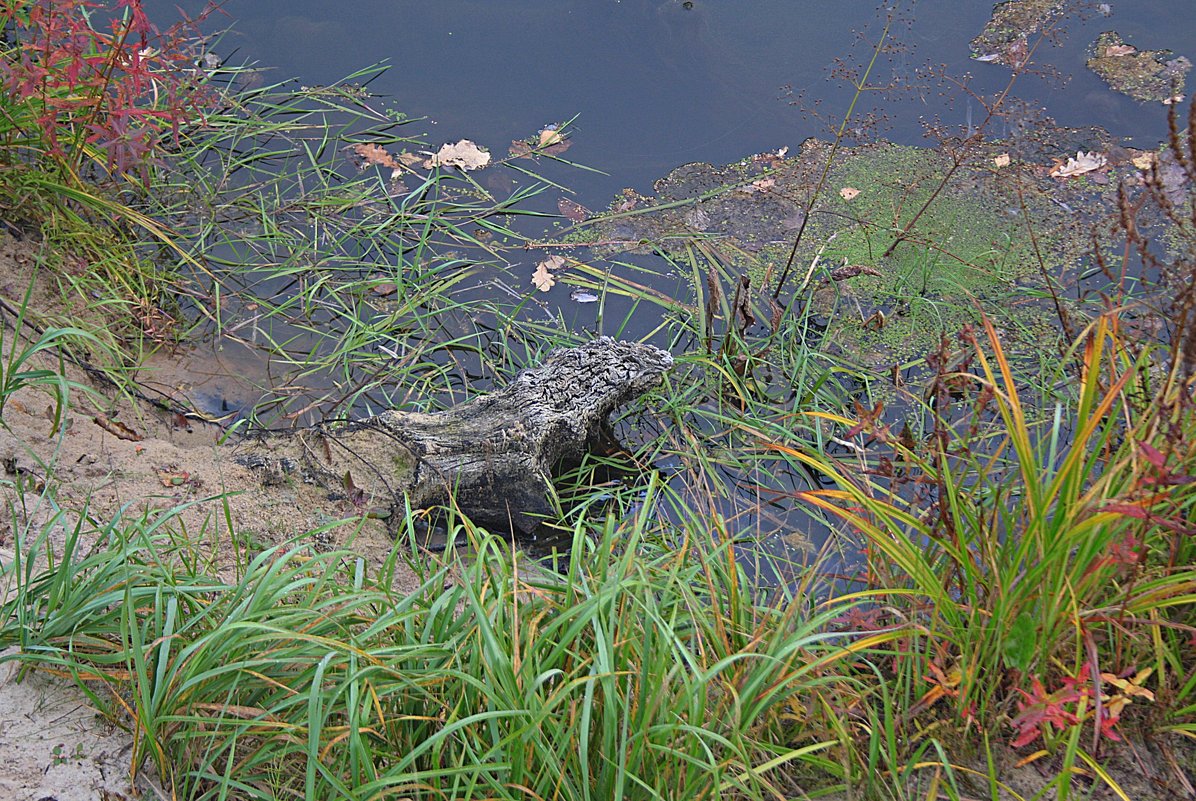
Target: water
{"x": 653, "y": 84}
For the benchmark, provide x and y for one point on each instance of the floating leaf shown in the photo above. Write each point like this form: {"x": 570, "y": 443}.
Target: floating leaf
{"x": 365, "y": 154}
{"x": 464, "y": 155}
{"x": 549, "y": 135}
{"x": 542, "y": 277}
{"x": 1113, "y": 51}
{"x": 1080, "y": 164}
{"x": 848, "y": 193}
{"x": 573, "y": 211}
{"x": 851, "y": 271}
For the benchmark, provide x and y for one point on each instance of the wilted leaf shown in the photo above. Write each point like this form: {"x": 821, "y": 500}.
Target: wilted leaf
{"x": 464, "y": 155}
{"x": 116, "y": 428}
{"x": 1144, "y": 161}
{"x": 851, "y": 271}
{"x": 520, "y": 149}
{"x": 365, "y": 154}
{"x": 760, "y": 185}
{"x": 542, "y": 277}
{"x": 1001, "y": 160}
{"x": 848, "y": 193}
{"x": 629, "y": 199}
{"x": 174, "y": 479}
{"x": 697, "y": 219}
{"x": 1112, "y": 51}
{"x": 410, "y": 159}
{"x": 1080, "y": 164}
{"x": 572, "y": 211}
{"x": 549, "y": 135}
{"x": 1131, "y": 685}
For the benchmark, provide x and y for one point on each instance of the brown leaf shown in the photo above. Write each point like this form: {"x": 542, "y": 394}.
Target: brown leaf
{"x": 1078, "y": 165}
{"x": 464, "y": 155}
{"x": 851, "y": 271}
{"x": 542, "y": 277}
{"x": 550, "y": 136}
{"x": 410, "y": 159}
{"x": 1144, "y": 161}
{"x": 573, "y": 211}
{"x": 521, "y": 149}
{"x": 365, "y": 154}
{"x": 1120, "y": 50}
{"x": 116, "y": 428}
{"x": 174, "y": 479}
{"x": 742, "y": 304}
{"x": 848, "y": 193}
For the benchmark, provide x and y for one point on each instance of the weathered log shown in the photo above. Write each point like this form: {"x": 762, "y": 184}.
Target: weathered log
{"x": 494, "y": 457}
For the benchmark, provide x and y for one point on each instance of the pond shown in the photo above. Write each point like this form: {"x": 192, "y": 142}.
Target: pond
{"x": 649, "y": 85}
{"x": 654, "y": 83}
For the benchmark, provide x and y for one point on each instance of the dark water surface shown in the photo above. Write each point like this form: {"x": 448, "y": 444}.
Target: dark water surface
{"x": 654, "y": 84}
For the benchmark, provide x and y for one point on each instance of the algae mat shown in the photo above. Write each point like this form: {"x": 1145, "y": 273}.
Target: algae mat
{"x": 901, "y": 244}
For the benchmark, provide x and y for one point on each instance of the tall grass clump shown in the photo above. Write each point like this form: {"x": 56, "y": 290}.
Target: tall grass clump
{"x": 635, "y": 672}
{"x": 94, "y": 96}
{"x": 1044, "y": 569}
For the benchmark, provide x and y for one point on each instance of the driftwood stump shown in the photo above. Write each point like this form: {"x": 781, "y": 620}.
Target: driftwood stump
{"x": 494, "y": 457}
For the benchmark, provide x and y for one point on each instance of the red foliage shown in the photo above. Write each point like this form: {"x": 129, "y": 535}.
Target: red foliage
{"x": 119, "y": 90}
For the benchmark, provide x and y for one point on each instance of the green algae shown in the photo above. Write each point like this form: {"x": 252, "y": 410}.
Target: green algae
{"x": 1005, "y": 38}
{"x": 941, "y": 241}
{"x": 1145, "y": 75}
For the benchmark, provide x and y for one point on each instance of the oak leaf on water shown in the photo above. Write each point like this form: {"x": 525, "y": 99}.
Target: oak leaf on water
{"x": 464, "y": 155}
{"x": 543, "y": 276}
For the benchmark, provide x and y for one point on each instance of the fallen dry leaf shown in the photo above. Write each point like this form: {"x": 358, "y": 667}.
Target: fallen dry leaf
{"x": 464, "y": 155}
{"x": 365, "y": 154}
{"x": 1144, "y": 161}
{"x": 410, "y": 159}
{"x": 1112, "y": 51}
{"x": 1001, "y": 160}
{"x": 846, "y": 271}
{"x": 1078, "y": 165}
{"x": 572, "y": 211}
{"x": 542, "y": 277}
{"x": 549, "y": 135}
{"x": 116, "y": 428}
{"x": 848, "y": 193}
{"x": 174, "y": 479}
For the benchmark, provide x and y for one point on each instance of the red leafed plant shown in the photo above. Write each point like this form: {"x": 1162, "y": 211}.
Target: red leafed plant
{"x": 1045, "y": 714}
{"x": 78, "y": 93}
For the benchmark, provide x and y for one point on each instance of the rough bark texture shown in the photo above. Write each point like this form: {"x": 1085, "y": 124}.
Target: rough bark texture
{"x": 494, "y": 457}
